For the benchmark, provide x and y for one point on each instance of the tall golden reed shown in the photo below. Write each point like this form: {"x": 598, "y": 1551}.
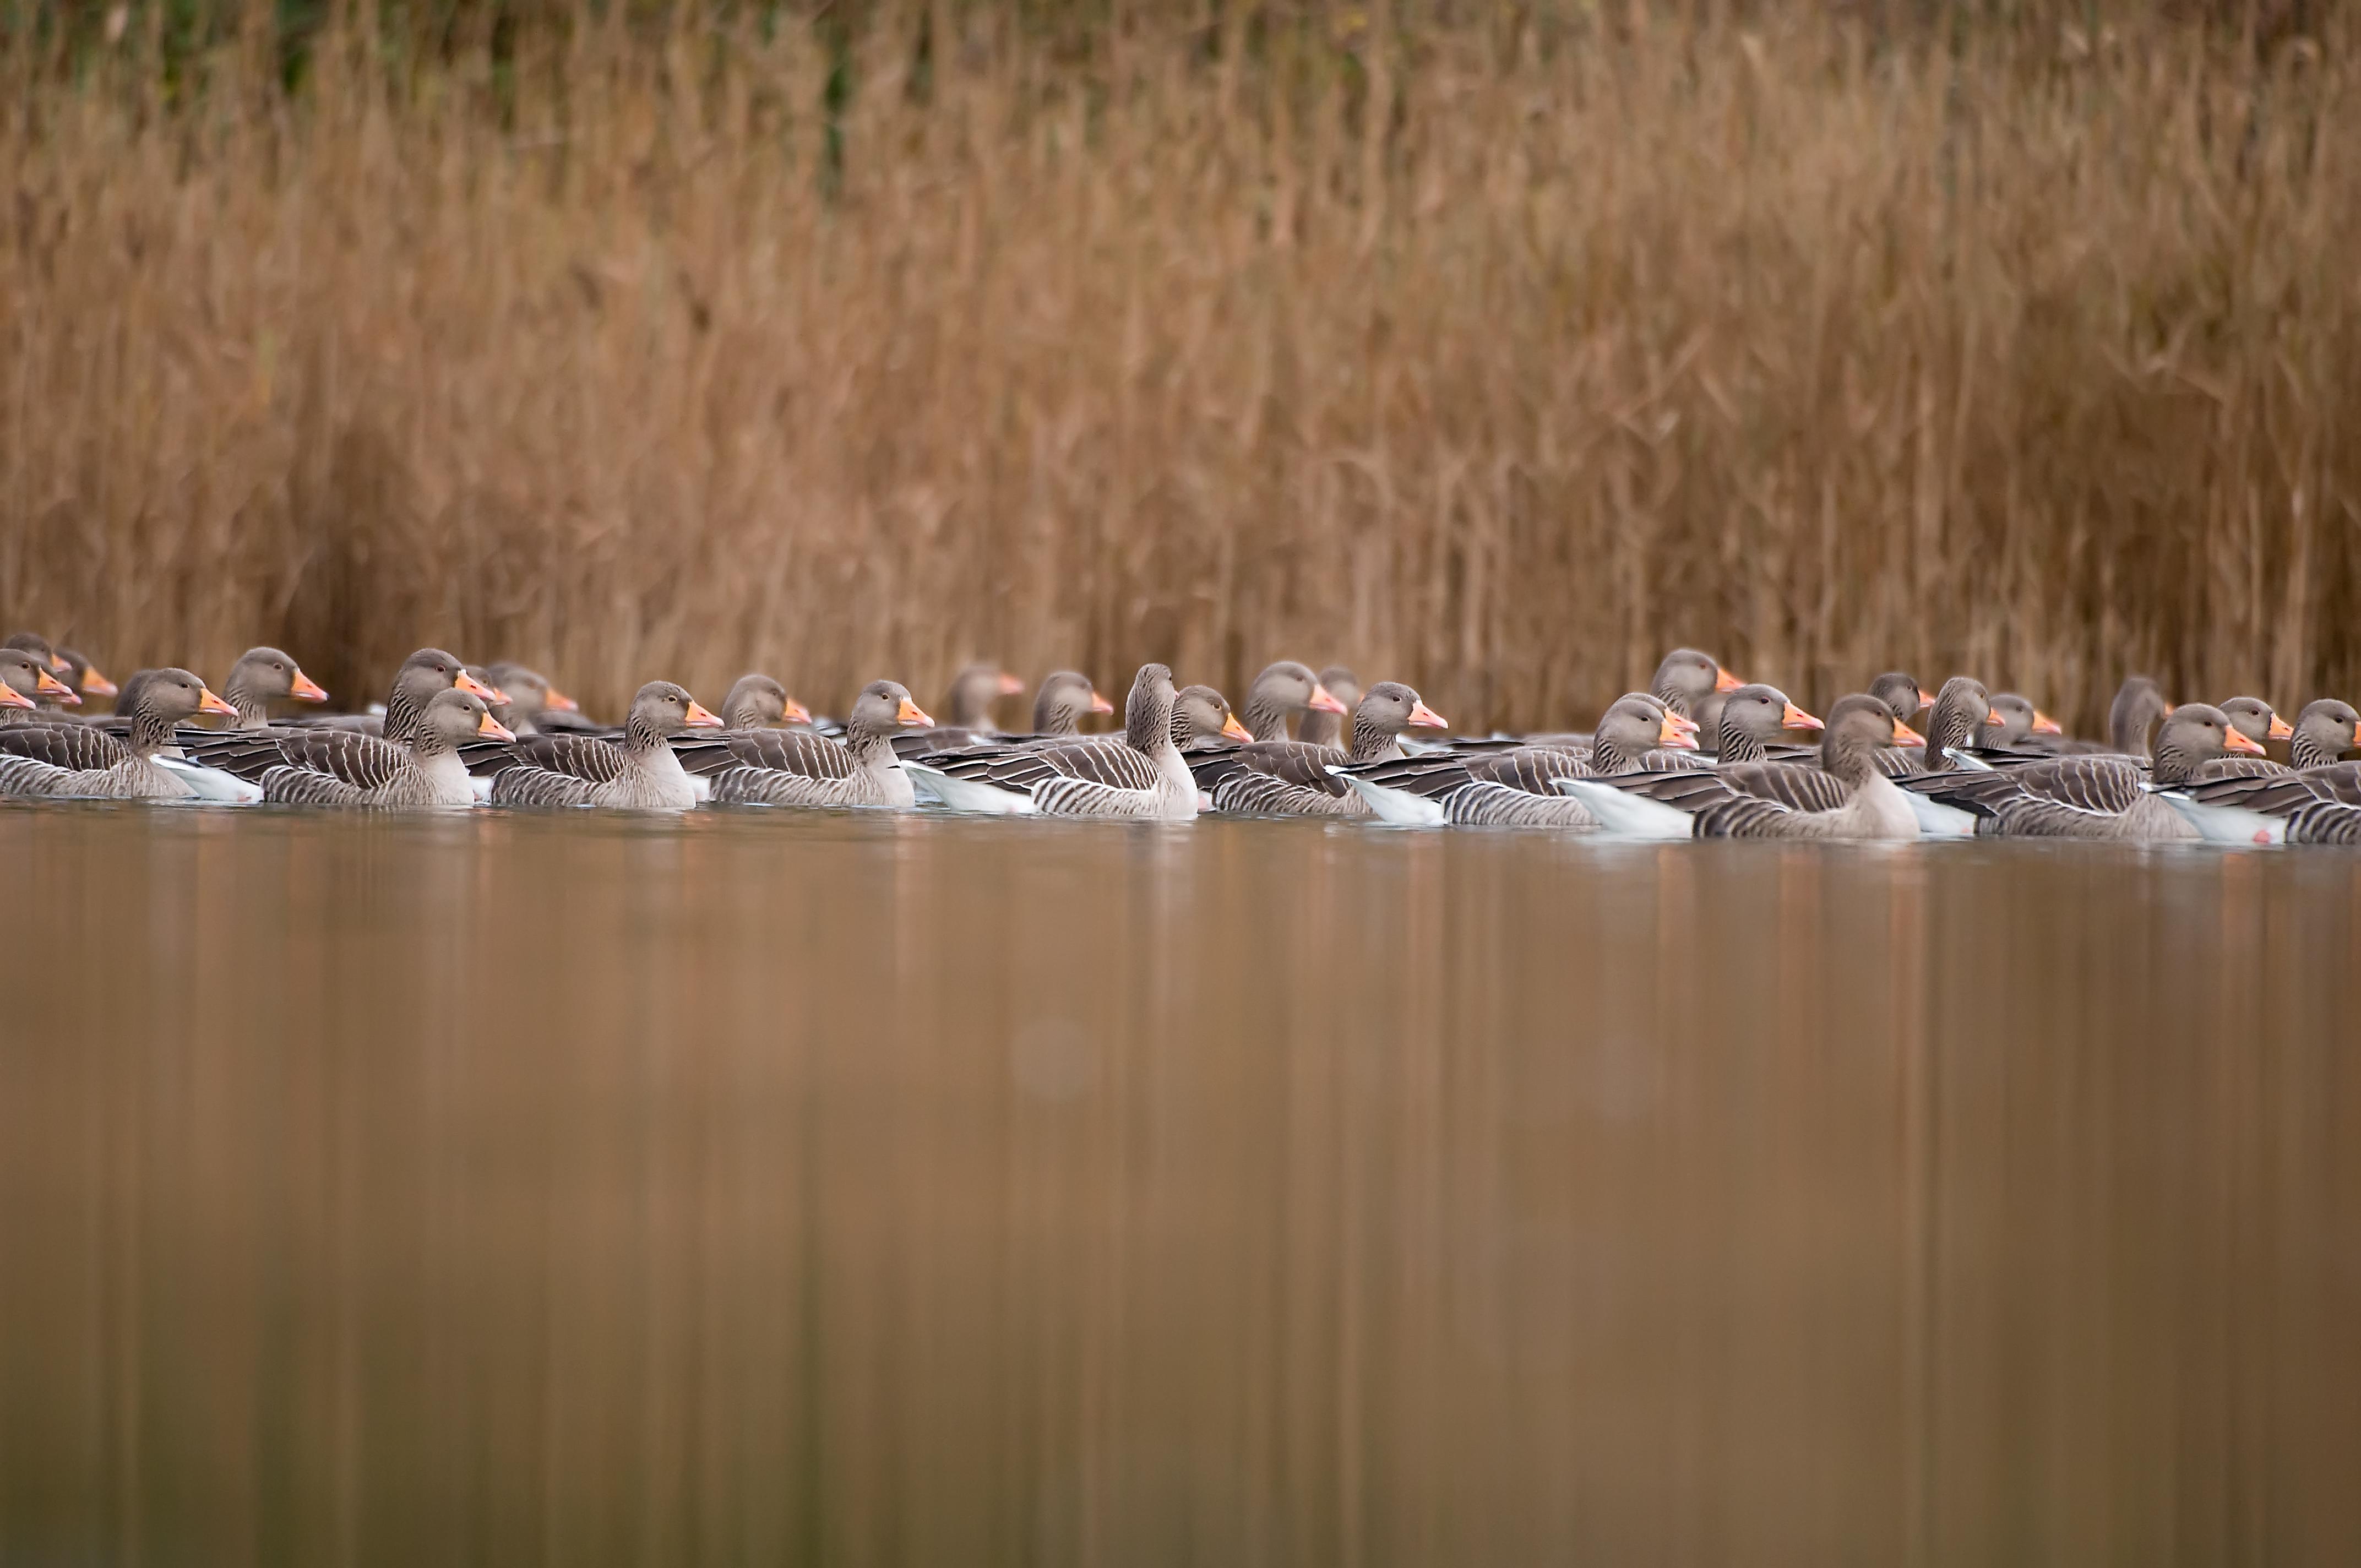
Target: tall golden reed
{"x": 1489, "y": 357}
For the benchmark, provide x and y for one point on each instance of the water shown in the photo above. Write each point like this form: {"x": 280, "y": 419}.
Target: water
{"x": 798, "y": 1188}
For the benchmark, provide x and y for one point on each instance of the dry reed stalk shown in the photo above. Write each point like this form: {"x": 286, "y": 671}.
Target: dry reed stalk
{"x": 2035, "y": 358}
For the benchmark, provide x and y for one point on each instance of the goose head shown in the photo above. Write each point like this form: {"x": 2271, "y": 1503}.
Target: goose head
{"x": 757, "y": 702}
{"x": 28, "y": 673}
{"x": 663, "y": 708}
{"x": 454, "y": 715}
{"x": 2014, "y": 718}
{"x": 1857, "y": 726}
{"x": 2194, "y": 734}
{"x": 1900, "y": 692}
{"x": 882, "y": 707}
{"x": 264, "y": 675}
{"x": 1634, "y": 725}
{"x": 1282, "y": 691}
{"x": 2253, "y": 718}
{"x": 974, "y": 691}
{"x": 2326, "y": 731}
{"x": 1202, "y": 716}
{"x": 83, "y": 676}
{"x": 1065, "y": 699}
{"x": 1754, "y": 715}
{"x": 1319, "y": 725}
{"x": 33, "y": 642}
{"x": 2139, "y": 704}
{"x": 1686, "y": 678}
{"x": 528, "y": 691}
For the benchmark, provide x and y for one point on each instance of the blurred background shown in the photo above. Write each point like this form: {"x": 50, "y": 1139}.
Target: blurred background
{"x": 1494, "y": 347}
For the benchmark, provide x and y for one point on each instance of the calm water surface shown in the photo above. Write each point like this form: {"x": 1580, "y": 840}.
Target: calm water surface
{"x": 807, "y": 1188}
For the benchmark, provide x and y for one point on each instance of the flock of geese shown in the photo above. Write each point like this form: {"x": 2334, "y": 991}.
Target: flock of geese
{"x": 1699, "y": 754}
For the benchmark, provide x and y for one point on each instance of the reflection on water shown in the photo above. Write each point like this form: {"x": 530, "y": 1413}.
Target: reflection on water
{"x": 858, "y": 1189}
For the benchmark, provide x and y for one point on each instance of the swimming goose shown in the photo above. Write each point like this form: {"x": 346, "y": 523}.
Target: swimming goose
{"x": 423, "y": 770}
{"x": 1290, "y": 778}
{"x": 641, "y": 775}
{"x": 1282, "y": 691}
{"x": 1510, "y": 788}
{"x": 1000, "y": 779}
{"x": 2275, "y": 806}
{"x": 1146, "y": 777}
{"x": 1323, "y": 728}
{"x": 801, "y": 767}
{"x": 2021, "y": 728}
{"x": 533, "y": 705}
{"x": 1759, "y": 800}
{"x": 26, "y": 671}
{"x": 1753, "y": 718}
{"x": 85, "y": 761}
{"x": 2139, "y": 704}
{"x": 2099, "y": 796}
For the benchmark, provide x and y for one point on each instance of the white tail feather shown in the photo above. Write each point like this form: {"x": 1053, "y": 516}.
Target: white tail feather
{"x": 1626, "y": 815}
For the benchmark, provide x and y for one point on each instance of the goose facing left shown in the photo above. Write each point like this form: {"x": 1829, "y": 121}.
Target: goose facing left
{"x": 80, "y": 759}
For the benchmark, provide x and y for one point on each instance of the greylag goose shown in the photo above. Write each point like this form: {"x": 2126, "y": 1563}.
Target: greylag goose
{"x": 422, "y": 769}
{"x": 353, "y": 755}
{"x": 801, "y": 767}
{"x": 1511, "y": 788}
{"x": 81, "y": 759}
{"x": 26, "y": 671}
{"x": 2139, "y": 704}
{"x": 758, "y": 702}
{"x": 1754, "y": 718}
{"x": 1323, "y": 728}
{"x": 1281, "y": 692}
{"x": 533, "y": 705}
{"x": 2022, "y": 727}
{"x": 2099, "y": 796}
{"x": 1290, "y": 778}
{"x": 1000, "y": 779}
{"x": 1065, "y": 699}
{"x": 974, "y": 691}
{"x": 1758, "y": 800}
{"x": 1145, "y": 777}
{"x": 641, "y": 775}
{"x": 2253, "y": 718}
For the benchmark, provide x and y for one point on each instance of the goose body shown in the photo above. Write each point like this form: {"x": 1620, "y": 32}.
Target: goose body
{"x": 1508, "y": 788}
{"x": 795, "y": 767}
{"x": 1146, "y": 777}
{"x": 2096, "y": 796}
{"x": 85, "y": 762}
{"x": 424, "y": 771}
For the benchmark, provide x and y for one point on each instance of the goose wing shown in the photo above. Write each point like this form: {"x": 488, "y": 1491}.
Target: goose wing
{"x": 367, "y": 762}
{"x": 1247, "y": 793}
{"x": 78, "y": 748}
{"x": 1108, "y": 763}
{"x": 288, "y": 786}
{"x": 799, "y": 752}
{"x": 1531, "y": 769}
{"x": 524, "y": 783}
{"x": 1791, "y": 788}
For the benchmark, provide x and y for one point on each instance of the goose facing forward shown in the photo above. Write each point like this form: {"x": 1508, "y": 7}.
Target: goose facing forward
{"x": 641, "y": 775}
{"x": 1153, "y": 781}
{"x": 796, "y": 767}
{"x": 85, "y": 761}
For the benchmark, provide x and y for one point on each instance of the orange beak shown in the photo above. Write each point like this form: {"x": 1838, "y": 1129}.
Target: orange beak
{"x": 1322, "y": 701}
{"x": 494, "y": 729}
{"x": 2233, "y": 741}
{"x": 468, "y": 683}
{"x": 912, "y": 714}
{"x": 1100, "y": 704}
{"x": 1230, "y": 726}
{"x": 1676, "y": 738}
{"x": 11, "y": 697}
{"x": 47, "y": 684}
{"x": 1797, "y": 718}
{"x": 1995, "y": 719}
{"x": 58, "y": 663}
{"x": 1425, "y": 717}
{"x": 95, "y": 684}
{"x": 1723, "y": 681}
{"x": 306, "y": 689}
{"x": 2044, "y": 725}
{"x": 1010, "y": 686}
{"x": 1906, "y": 736}
{"x": 208, "y": 703}
{"x": 562, "y": 702}
{"x": 794, "y": 713}
{"x": 703, "y": 717}
{"x": 2281, "y": 729}
{"x": 1681, "y": 721}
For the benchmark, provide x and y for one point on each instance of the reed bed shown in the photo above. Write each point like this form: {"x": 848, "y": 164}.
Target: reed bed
{"x": 1495, "y": 354}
